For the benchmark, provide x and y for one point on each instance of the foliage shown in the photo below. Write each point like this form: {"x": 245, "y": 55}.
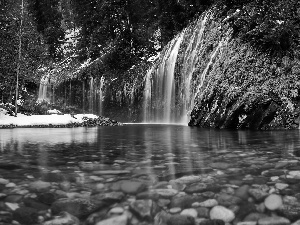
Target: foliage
{"x": 271, "y": 26}
{"x": 48, "y": 19}
{"x": 33, "y": 51}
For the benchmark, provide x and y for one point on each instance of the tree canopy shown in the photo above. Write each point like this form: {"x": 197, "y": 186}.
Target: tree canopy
{"x": 64, "y": 34}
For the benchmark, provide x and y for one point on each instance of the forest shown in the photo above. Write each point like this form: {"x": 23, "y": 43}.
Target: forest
{"x": 59, "y": 36}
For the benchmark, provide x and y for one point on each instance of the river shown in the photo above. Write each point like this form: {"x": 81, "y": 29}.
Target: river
{"x": 162, "y": 152}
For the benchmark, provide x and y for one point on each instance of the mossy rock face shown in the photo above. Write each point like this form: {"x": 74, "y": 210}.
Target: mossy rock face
{"x": 244, "y": 88}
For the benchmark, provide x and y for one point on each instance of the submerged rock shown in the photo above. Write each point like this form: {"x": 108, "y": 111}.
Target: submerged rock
{"x": 63, "y": 219}
{"x": 77, "y": 207}
{"x": 222, "y": 213}
{"x": 26, "y": 215}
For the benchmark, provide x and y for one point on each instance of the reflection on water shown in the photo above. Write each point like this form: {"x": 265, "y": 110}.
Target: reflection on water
{"x": 169, "y": 149}
{"x": 175, "y": 166}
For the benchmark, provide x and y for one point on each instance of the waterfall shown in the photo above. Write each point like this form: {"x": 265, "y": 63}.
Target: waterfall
{"x": 101, "y": 95}
{"x": 91, "y": 95}
{"x": 205, "y": 71}
{"x": 44, "y": 89}
{"x": 147, "y": 96}
{"x": 159, "y": 99}
{"x": 169, "y": 98}
{"x": 190, "y": 61}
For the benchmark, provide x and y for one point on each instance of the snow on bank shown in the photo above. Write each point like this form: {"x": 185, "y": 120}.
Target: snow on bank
{"x": 44, "y": 120}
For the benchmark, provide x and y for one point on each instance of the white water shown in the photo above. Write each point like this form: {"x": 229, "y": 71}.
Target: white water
{"x": 170, "y": 99}
{"x": 91, "y": 95}
{"x": 189, "y": 66}
{"x": 44, "y": 89}
{"x": 159, "y": 94}
{"x": 101, "y": 95}
{"x": 209, "y": 64}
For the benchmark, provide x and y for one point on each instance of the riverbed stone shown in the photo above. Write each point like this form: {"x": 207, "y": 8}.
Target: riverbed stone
{"x": 274, "y": 221}
{"x": 165, "y": 193}
{"x": 116, "y": 211}
{"x": 220, "y": 165}
{"x": 26, "y": 215}
{"x": 295, "y": 174}
{"x": 109, "y": 197}
{"x": 296, "y": 222}
{"x": 202, "y": 212}
{"x": 228, "y": 200}
{"x": 189, "y": 179}
{"x": 273, "y": 202}
{"x": 209, "y": 203}
{"x": 144, "y": 209}
{"x": 221, "y": 213}
{"x": 247, "y": 223}
{"x": 4, "y": 181}
{"x": 39, "y": 186}
{"x": 211, "y": 222}
{"x": 14, "y": 198}
{"x": 281, "y": 186}
{"x": 6, "y": 217}
{"x": 47, "y": 198}
{"x": 196, "y": 188}
{"x": 63, "y": 218}
{"x": 181, "y": 220}
{"x": 185, "y": 201}
{"x": 292, "y": 212}
{"x": 132, "y": 187}
{"x": 111, "y": 172}
{"x": 255, "y": 216}
{"x": 116, "y": 220}
{"x": 257, "y": 193}
{"x": 242, "y": 192}
{"x": 175, "y": 210}
{"x": 30, "y": 202}
{"x": 77, "y": 207}
{"x": 190, "y": 212}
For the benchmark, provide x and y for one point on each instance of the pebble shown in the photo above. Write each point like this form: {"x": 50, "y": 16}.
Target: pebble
{"x": 116, "y": 210}
{"x": 116, "y": 220}
{"x": 273, "y": 202}
{"x": 209, "y": 203}
{"x": 274, "y": 221}
{"x": 281, "y": 186}
{"x": 175, "y": 210}
{"x": 39, "y": 186}
{"x": 221, "y": 213}
{"x": 10, "y": 185}
{"x": 189, "y": 212}
{"x": 4, "y": 181}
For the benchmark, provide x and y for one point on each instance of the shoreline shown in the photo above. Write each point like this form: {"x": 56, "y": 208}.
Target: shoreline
{"x": 55, "y": 121}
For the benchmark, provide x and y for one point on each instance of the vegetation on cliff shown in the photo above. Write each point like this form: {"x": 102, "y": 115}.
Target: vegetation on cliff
{"x": 113, "y": 39}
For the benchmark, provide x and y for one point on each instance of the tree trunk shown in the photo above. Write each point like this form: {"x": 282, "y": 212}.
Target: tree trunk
{"x": 19, "y": 59}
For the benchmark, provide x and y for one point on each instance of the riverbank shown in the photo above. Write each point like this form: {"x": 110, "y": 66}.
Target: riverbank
{"x": 55, "y": 120}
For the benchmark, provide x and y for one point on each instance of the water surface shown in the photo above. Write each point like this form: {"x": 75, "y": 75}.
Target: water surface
{"x": 164, "y": 150}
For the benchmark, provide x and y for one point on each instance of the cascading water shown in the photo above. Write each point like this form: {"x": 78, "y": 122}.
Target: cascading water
{"x": 91, "y": 94}
{"x": 45, "y": 89}
{"x": 102, "y": 80}
{"x": 189, "y": 65}
{"x": 147, "y": 96}
{"x": 169, "y": 98}
{"x": 162, "y": 87}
